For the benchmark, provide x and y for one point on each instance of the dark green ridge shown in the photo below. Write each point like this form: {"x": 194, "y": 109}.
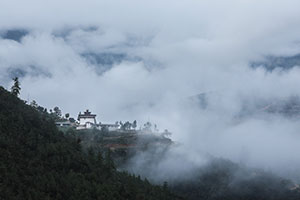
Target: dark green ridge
{"x": 39, "y": 162}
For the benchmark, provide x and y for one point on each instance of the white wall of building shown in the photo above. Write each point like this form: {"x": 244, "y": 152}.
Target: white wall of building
{"x": 83, "y": 121}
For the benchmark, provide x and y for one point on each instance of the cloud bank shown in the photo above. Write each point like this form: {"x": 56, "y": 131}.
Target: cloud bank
{"x": 145, "y": 60}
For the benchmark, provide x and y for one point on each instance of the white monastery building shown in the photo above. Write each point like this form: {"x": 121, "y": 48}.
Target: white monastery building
{"x": 86, "y": 120}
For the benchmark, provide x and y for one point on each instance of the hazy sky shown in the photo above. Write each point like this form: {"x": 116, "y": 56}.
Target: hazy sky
{"x": 143, "y": 60}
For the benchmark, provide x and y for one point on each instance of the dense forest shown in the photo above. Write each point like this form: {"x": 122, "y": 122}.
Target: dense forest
{"x": 37, "y": 161}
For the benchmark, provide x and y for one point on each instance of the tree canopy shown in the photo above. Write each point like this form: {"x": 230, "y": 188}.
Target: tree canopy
{"x": 15, "y": 89}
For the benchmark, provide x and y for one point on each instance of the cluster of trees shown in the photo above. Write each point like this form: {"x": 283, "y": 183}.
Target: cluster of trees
{"x": 55, "y": 113}
{"x": 39, "y": 162}
{"x": 127, "y": 125}
{"x": 149, "y": 127}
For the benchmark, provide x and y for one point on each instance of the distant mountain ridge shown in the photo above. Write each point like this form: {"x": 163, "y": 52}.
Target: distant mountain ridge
{"x": 287, "y": 107}
{"x": 278, "y": 62}
{"x": 14, "y": 34}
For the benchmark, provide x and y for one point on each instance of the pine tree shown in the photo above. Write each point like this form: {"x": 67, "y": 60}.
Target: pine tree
{"x": 134, "y": 124}
{"x": 15, "y": 89}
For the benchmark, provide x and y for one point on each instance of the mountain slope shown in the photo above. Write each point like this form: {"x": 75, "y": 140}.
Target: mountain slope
{"x": 39, "y": 162}
{"x": 222, "y": 179}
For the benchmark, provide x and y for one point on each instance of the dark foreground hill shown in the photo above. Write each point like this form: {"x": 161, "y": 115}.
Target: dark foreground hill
{"x": 224, "y": 180}
{"x": 39, "y": 162}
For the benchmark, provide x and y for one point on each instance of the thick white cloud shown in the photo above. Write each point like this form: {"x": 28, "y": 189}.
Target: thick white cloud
{"x": 174, "y": 50}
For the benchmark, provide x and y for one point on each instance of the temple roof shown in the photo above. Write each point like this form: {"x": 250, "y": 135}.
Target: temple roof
{"x": 86, "y": 114}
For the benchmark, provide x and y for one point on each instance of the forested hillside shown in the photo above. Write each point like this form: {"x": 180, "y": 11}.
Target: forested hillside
{"x": 39, "y": 162}
{"x": 224, "y": 180}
